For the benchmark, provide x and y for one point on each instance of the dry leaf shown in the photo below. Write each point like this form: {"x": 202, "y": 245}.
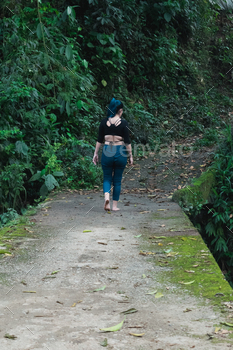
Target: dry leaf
{"x": 8, "y": 336}
{"x": 137, "y": 335}
{"x": 129, "y": 311}
{"x": 158, "y": 295}
{"x": 114, "y": 328}
{"x": 150, "y": 293}
{"x": 187, "y": 310}
{"x": 189, "y": 271}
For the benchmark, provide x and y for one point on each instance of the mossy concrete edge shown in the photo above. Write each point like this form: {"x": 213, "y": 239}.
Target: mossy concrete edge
{"x": 198, "y": 192}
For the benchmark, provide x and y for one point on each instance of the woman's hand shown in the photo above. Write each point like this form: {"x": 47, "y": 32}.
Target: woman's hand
{"x": 131, "y": 159}
{"x": 95, "y": 158}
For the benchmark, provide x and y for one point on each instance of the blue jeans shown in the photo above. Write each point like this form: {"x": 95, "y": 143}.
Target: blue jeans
{"x": 113, "y": 161}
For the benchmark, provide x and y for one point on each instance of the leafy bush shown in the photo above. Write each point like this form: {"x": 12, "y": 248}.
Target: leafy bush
{"x": 215, "y": 219}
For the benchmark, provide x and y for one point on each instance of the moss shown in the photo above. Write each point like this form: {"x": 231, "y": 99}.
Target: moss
{"x": 207, "y": 276}
{"x": 9, "y": 233}
{"x": 198, "y": 192}
{"x": 175, "y": 220}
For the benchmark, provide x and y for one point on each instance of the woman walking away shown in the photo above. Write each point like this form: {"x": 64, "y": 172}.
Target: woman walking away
{"x": 115, "y": 133}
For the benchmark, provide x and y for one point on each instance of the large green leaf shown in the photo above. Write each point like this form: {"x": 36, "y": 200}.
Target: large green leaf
{"x": 69, "y": 10}
{"x": 80, "y": 104}
{"x": 50, "y": 182}
{"x": 69, "y": 52}
{"x": 44, "y": 191}
{"x": 21, "y": 147}
{"x": 68, "y": 108}
{"x": 39, "y": 30}
{"x": 167, "y": 16}
{"x": 36, "y": 176}
{"x": 104, "y": 82}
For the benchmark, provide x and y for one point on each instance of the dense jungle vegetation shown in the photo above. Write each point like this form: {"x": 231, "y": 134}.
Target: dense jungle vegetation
{"x": 61, "y": 62}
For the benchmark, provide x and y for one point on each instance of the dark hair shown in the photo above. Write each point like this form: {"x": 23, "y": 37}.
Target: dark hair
{"x": 119, "y": 107}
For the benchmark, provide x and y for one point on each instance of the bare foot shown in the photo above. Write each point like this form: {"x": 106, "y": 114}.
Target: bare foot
{"x": 115, "y": 209}
{"x": 114, "y": 206}
{"x": 107, "y": 205}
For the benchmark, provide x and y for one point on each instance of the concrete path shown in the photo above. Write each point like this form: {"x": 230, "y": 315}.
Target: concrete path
{"x": 62, "y": 313}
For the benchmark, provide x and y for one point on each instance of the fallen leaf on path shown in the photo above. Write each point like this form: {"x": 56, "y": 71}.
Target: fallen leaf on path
{"x": 158, "y": 295}
{"x": 145, "y": 253}
{"x": 114, "y": 328}
{"x": 194, "y": 239}
{"x": 144, "y": 212}
{"x": 113, "y": 268}
{"x": 187, "y": 310}
{"x": 187, "y": 282}
{"x": 172, "y": 254}
{"x": 29, "y": 291}
{"x": 137, "y": 236}
{"x": 8, "y": 336}
{"x": 59, "y": 302}
{"x": 160, "y": 244}
{"x": 129, "y": 311}
{"x": 227, "y": 324}
{"x": 54, "y": 272}
{"x": 189, "y": 271}
{"x": 74, "y": 304}
{"x": 24, "y": 283}
{"x": 102, "y": 243}
{"x": 162, "y": 225}
{"x": 104, "y": 342}
{"x": 86, "y": 231}
{"x": 224, "y": 331}
{"x": 168, "y": 251}
{"x": 98, "y": 289}
{"x": 195, "y": 265}
{"x": 170, "y": 243}
{"x": 150, "y": 293}
{"x": 137, "y": 335}
{"x": 217, "y": 329}
{"x": 123, "y": 228}
{"x": 143, "y": 276}
{"x": 161, "y": 209}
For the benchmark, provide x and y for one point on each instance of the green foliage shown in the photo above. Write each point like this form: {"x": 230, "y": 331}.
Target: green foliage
{"x": 61, "y": 64}
{"x": 10, "y": 215}
{"x": 215, "y": 219}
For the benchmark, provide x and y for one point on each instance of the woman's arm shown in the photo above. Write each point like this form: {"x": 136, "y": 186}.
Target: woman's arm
{"x": 129, "y": 149}
{"x": 96, "y": 157}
